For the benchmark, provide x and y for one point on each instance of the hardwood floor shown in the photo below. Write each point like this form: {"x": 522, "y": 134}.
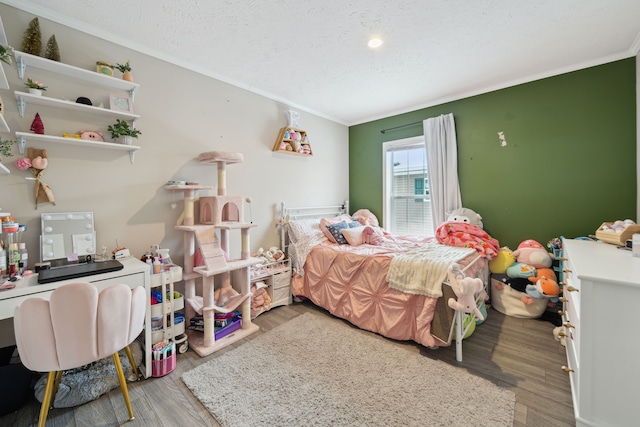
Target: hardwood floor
{"x": 519, "y": 354}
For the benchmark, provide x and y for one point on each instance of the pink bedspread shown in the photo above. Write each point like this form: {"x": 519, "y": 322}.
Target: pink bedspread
{"x": 349, "y": 281}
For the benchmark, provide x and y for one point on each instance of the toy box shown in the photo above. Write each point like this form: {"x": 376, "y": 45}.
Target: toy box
{"x": 620, "y": 239}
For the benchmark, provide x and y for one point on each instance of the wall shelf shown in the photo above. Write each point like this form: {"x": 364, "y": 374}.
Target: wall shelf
{"x": 4, "y": 127}
{"x": 24, "y": 98}
{"x": 24, "y": 136}
{"x": 285, "y": 144}
{"x": 24, "y": 60}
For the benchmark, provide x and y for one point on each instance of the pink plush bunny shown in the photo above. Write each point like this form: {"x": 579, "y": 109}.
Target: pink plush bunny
{"x": 370, "y": 236}
{"x": 466, "y": 289}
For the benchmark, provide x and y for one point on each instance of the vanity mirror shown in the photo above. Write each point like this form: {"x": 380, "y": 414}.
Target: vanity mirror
{"x": 67, "y": 236}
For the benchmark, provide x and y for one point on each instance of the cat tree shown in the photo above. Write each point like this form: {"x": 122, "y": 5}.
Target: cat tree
{"x": 218, "y": 214}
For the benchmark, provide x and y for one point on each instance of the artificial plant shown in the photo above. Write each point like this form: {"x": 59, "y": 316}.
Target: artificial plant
{"x": 122, "y": 128}
{"x": 52, "y": 51}
{"x": 32, "y": 39}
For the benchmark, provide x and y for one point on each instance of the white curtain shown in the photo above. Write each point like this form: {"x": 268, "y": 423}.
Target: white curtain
{"x": 442, "y": 166}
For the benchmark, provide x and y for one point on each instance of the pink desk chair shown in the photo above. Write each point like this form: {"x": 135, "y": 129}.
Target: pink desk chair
{"x": 75, "y": 327}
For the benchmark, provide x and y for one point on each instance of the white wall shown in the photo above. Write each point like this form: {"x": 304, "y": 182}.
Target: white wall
{"x": 183, "y": 114}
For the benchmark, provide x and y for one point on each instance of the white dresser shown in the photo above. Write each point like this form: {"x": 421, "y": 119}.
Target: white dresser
{"x": 602, "y": 305}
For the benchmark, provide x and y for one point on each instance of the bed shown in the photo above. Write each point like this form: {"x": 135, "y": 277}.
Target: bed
{"x": 350, "y": 280}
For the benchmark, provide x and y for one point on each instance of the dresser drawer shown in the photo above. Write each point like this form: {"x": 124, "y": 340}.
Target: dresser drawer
{"x": 281, "y": 296}
{"x": 571, "y": 288}
{"x": 571, "y": 323}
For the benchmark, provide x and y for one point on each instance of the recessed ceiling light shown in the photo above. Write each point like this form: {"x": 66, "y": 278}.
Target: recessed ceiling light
{"x": 374, "y": 43}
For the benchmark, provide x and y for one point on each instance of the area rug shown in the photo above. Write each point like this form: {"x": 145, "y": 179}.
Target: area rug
{"x": 319, "y": 371}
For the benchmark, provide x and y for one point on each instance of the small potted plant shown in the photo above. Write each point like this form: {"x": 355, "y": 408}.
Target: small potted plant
{"x": 125, "y": 69}
{"x": 6, "y": 54}
{"x": 122, "y": 129}
{"x": 35, "y": 88}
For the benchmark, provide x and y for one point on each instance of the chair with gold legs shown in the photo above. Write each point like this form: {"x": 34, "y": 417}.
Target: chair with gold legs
{"x": 76, "y": 326}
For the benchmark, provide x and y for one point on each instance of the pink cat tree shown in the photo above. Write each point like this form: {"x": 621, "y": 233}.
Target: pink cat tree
{"x": 218, "y": 214}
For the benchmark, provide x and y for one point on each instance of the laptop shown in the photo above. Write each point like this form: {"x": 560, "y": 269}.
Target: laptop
{"x": 78, "y": 270}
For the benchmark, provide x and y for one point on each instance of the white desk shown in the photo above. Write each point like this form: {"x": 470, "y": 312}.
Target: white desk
{"x": 135, "y": 273}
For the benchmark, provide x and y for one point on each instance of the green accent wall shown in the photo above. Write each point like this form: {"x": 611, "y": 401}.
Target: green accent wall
{"x": 569, "y": 163}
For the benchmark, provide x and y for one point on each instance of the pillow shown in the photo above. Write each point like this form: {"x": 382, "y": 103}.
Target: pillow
{"x": 336, "y": 230}
{"x": 327, "y": 221}
{"x": 301, "y": 228}
{"x": 353, "y": 236}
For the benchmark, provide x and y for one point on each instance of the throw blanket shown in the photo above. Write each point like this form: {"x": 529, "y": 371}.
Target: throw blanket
{"x": 465, "y": 235}
{"x": 422, "y": 271}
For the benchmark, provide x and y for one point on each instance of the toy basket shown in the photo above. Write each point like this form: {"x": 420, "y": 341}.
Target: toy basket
{"x": 620, "y": 239}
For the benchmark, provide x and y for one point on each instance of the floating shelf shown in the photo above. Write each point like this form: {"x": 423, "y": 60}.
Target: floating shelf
{"x": 4, "y": 127}
{"x": 24, "y": 60}
{"x": 24, "y": 98}
{"x": 24, "y": 136}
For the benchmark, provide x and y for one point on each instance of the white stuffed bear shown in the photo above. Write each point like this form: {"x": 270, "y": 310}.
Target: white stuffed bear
{"x": 465, "y": 289}
{"x": 466, "y": 215}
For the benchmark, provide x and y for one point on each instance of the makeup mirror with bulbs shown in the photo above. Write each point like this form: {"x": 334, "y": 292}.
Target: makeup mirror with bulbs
{"x": 67, "y": 237}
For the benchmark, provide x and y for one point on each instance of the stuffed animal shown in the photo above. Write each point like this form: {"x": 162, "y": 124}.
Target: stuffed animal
{"x": 502, "y": 261}
{"x": 544, "y": 288}
{"x": 533, "y": 253}
{"x": 371, "y": 237}
{"x": 465, "y": 289}
{"x": 520, "y": 270}
{"x": 465, "y": 215}
{"x": 543, "y": 272}
{"x": 365, "y": 217}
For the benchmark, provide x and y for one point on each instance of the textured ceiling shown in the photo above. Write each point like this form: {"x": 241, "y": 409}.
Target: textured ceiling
{"x": 312, "y": 54}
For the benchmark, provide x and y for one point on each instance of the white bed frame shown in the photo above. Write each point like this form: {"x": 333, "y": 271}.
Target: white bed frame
{"x": 308, "y": 212}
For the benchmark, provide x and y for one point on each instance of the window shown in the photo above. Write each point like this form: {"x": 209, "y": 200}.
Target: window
{"x": 407, "y": 203}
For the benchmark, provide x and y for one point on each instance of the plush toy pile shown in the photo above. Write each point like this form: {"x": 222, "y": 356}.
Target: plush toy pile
{"x": 528, "y": 272}
{"x": 617, "y": 226}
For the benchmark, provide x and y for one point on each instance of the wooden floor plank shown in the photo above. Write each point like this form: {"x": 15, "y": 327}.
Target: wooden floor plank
{"x": 519, "y": 354}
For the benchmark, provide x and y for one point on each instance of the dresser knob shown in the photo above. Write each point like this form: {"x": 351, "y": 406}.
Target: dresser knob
{"x": 562, "y": 284}
{"x": 562, "y": 258}
{"x": 563, "y": 299}
{"x": 562, "y": 334}
{"x": 572, "y": 289}
{"x": 566, "y": 369}
{"x": 566, "y": 270}
{"x": 561, "y": 313}
{"x": 568, "y": 325}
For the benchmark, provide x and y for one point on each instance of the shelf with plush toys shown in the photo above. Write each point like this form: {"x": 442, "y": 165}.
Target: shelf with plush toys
{"x": 270, "y": 281}
{"x": 292, "y": 140}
